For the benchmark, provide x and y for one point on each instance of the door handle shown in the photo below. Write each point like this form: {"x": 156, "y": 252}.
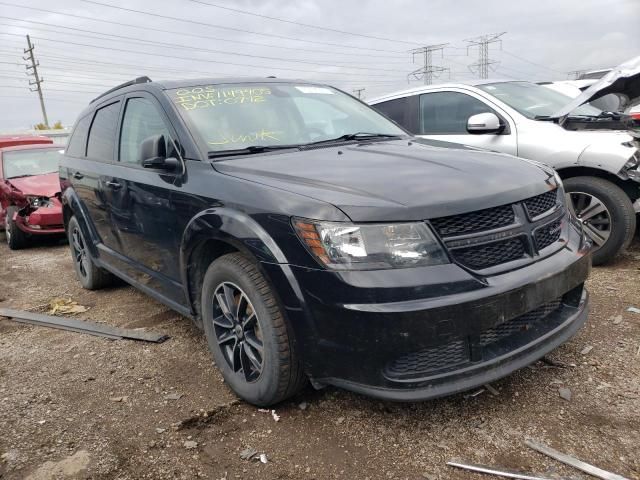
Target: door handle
{"x": 78, "y": 176}
{"x": 114, "y": 185}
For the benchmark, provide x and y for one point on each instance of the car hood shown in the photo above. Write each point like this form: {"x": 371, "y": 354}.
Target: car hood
{"x": 623, "y": 81}
{"x": 46, "y": 185}
{"x": 396, "y": 180}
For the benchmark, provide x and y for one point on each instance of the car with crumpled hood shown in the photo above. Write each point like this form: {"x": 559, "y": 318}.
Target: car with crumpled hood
{"x": 595, "y": 152}
{"x": 30, "y": 189}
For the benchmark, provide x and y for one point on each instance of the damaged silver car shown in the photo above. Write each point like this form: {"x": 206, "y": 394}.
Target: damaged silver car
{"x": 595, "y": 152}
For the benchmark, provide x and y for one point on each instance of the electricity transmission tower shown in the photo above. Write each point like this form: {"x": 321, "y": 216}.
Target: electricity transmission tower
{"x": 428, "y": 71}
{"x": 482, "y": 66}
{"x": 32, "y": 69}
{"x": 576, "y": 73}
{"x": 358, "y": 91}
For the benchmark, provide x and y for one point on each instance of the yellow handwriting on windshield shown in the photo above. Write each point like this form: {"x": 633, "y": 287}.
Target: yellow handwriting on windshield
{"x": 209, "y": 96}
{"x": 250, "y": 137}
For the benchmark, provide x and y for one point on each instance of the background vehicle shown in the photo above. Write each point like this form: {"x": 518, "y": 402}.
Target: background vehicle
{"x": 596, "y": 159}
{"x": 30, "y": 193}
{"x": 14, "y": 140}
{"x": 287, "y": 220}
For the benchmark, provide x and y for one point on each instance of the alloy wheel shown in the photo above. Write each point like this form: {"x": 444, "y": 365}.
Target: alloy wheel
{"x": 79, "y": 251}
{"x": 237, "y": 331}
{"x": 592, "y": 213}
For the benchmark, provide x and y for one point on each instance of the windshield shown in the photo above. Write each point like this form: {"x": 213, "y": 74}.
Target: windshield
{"x": 25, "y": 163}
{"x": 534, "y": 101}
{"x": 237, "y": 116}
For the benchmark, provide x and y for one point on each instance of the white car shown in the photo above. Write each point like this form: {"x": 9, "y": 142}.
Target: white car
{"x": 596, "y": 153}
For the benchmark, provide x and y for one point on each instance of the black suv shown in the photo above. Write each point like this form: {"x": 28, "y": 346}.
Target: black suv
{"x": 310, "y": 237}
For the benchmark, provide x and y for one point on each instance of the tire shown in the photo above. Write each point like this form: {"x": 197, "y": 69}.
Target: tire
{"x": 235, "y": 279}
{"x": 90, "y": 276}
{"x": 618, "y": 207}
{"x": 16, "y": 238}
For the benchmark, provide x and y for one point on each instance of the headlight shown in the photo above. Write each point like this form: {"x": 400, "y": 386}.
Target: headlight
{"x": 39, "y": 202}
{"x": 348, "y": 246}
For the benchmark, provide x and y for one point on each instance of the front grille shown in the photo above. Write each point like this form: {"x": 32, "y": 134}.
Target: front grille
{"x": 495, "y": 236}
{"x": 477, "y": 221}
{"x": 479, "y": 257}
{"x": 540, "y": 204}
{"x": 457, "y": 353}
{"x": 548, "y": 234}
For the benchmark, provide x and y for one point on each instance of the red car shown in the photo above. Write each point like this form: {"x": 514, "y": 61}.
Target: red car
{"x": 29, "y": 192}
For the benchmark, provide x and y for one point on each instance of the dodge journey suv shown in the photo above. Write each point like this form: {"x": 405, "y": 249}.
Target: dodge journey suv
{"x": 312, "y": 238}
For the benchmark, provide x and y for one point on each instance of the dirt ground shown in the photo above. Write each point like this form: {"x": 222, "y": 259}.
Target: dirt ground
{"x": 78, "y": 406}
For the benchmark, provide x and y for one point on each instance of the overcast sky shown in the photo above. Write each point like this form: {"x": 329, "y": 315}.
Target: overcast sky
{"x": 544, "y": 40}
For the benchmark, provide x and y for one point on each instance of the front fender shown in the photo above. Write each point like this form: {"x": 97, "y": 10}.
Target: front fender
{"x": 231, "y": 227}
{"x": 609, "y": 156}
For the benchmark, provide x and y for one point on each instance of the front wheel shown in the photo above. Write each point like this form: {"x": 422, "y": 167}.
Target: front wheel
{"x": 606, "y": 214}
{"x": 247, "y": 333}
{"x": 16, "y": 238}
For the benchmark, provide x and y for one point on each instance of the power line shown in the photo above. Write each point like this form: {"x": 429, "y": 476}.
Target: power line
{"x": 194, "y": 35}
{"x": 207, "y": 50}
{"x": 54, "y": 89}
{"x": 245, "y": 12}
{"x": 156, "y": 55}
{"x": 194, "y": 22}
{"x": 532, "y": 63}
{"x": 484, "y": 62}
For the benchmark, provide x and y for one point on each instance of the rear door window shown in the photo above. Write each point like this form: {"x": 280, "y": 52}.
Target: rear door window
{"x": 448, "y": 112}
{"x": 102, "y": 135}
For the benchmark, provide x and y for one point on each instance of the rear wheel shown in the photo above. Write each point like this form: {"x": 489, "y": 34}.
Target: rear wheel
{"x": 247, "y": 332}
{"x": 90, "y": 276}
{"x": 16, "y": 238}
{"x": 606, "y": 214}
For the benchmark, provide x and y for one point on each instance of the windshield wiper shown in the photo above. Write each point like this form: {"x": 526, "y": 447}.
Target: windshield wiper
{"x": 251, "y": 149}
{"x": 355, "y": 136}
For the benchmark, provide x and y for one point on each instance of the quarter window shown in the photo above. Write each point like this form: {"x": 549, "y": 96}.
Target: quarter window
{"x": 448, "y": 112}
{"x": 141, "y": 120}
{"x": 78, "y": 142}
{"x": 102, "y": 135}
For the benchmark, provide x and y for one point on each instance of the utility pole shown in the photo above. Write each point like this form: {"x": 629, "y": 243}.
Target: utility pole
{"x": 484, "y": 63}
{"x": 428, "y": 71}
{"x": 358, "y": 91}
{"x": 33, "y": 70}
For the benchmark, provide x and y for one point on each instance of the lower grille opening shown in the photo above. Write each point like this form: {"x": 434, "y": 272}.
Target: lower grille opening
{"x": 456, "y": 354}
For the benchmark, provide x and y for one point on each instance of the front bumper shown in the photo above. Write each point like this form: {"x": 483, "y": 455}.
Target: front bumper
{"x": 42, "y": 221}
{"x": 416, "y": 334}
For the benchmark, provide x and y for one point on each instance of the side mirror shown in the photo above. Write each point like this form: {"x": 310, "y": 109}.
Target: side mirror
{"x": 484, "y": 123}
{"x": 153, "y": 154}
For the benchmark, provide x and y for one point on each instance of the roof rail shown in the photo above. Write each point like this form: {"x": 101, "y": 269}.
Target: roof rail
{"x": 135, "y": 81}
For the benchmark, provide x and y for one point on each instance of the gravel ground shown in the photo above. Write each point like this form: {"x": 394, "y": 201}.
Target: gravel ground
{"x": 77, "y": 406}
